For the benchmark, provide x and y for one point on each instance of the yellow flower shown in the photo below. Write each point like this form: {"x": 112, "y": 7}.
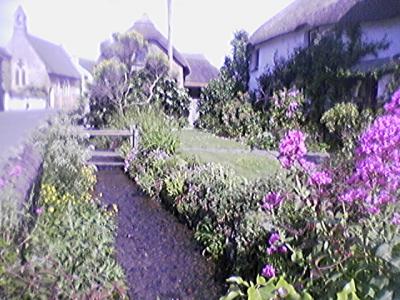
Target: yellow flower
{"x": 51, "y": 209}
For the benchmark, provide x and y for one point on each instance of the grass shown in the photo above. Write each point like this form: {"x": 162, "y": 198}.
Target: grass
{"x": 192, "y": 138}
{"x": 209, "y": 148}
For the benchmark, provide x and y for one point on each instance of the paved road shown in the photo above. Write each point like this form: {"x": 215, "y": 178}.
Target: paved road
{"x": 15, "y": 128}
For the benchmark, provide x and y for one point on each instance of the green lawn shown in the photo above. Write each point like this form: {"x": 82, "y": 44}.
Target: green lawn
{"x": 192, "y": 138}
{"x": 209, "y": 148}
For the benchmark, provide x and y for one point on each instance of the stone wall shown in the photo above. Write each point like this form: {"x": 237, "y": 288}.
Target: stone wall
{"x": 21, "y": 174}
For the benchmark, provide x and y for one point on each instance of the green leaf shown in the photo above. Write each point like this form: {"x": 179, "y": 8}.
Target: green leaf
{"x": 232, "y": 295}
{"x": 238, "y": 280}
{"x": 253, "y": 294}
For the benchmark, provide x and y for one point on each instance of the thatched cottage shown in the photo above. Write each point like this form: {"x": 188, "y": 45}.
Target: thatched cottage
{"x": 201, "y": 73}
{"x": 158, "y": 45}
{"x": 303, "y": 20}
{"x": 42, "y": 74}
{"x": 192, "y": 71}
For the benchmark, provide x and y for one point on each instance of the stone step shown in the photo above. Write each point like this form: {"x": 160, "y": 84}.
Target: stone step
{"x": 110, "y": 154}
{"x": 107, "y": 163}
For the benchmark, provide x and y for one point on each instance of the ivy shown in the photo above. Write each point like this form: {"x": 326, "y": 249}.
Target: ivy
{"x": 324, "y": 71}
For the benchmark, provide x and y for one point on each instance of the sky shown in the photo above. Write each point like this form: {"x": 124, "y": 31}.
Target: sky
{"x": 199, "y": 26}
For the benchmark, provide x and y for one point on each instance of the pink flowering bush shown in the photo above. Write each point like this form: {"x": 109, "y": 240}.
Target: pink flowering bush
{"x": 337, "y": 226}
{"x": 292, "y": 148}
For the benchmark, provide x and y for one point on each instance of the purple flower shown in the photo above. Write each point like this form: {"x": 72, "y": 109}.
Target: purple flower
{"x": 320, "y": 178}
{"x": 275, "y": 237}
{"x": 292, "y": 148}
{"x": 376, "y": 178}
{"x": 396, "y": 219}
{"x": 271, "y": 201}
{"x": 268, "y": 271}
{"x": 2, "y": 183}
{"x": 272, "y": 250}
{"x": 39, "y": 211}
{"x": 16, "y": 171}
{"x": 393, "y": 107}
{"x": 282, "y": 249}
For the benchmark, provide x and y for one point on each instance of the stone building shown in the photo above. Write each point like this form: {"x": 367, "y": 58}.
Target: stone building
{"x": 42, "y": 74}
{"x": 4, "y": 58}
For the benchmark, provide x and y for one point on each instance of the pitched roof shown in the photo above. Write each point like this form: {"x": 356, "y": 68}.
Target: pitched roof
{"x": 145, "y": 27}
{"x": 87, "y": 64}
{"x": 55, "y": 58}
{"x": 314, "y": 13}
{"x": 4, "y": 53}
{"x": 201, "y": 71}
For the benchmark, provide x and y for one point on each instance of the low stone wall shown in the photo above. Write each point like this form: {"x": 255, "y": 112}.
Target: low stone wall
{"x": 22, "y": 173}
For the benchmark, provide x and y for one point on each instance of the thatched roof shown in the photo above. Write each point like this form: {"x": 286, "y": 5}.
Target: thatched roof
{"x": 87, "y": 64}
{"x": 55, "y": 58}
{"x": 145, "y": 27}
{"x": 201, "y": 71}
{"x": 4, "y": 54}
{"x": 313, "y": 13}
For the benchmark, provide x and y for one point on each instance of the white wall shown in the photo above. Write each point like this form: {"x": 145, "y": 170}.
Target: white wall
{"x": 282, "y": 46}
{"x": 376, "y": 31}
{"x": 11, "y": 104}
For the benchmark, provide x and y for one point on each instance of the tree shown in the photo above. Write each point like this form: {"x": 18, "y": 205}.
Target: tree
{"x": 237, "y": 66}
{"x": 231, "y": 83}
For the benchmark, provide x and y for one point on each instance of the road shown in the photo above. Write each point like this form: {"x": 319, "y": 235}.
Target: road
{"x": 16, "y": 127}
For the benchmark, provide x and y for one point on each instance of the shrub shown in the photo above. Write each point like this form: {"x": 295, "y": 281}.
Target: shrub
{"x": 65, "y": 159}
{"x": 344, "y": 122}
{"x": 157, "y": 132}
{"x": 62, "y": 247}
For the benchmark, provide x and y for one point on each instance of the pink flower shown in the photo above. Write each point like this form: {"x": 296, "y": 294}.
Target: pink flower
{"x": 396, "y": 219}
{"x": 16, "y": 171}
{"x": 39, "y": 211}
{"x": 271, "y": 201}
{"x": 272, "y": 250}
{"x": 320, "y": 178}
{"x": 292, "y": 148}
{"x": 282, "y": 249}
{"x": 393, "y": 107}
{"x": 268, "y": 271}
{"x": 2, "y": 183}
{"x": 275, "y": 237}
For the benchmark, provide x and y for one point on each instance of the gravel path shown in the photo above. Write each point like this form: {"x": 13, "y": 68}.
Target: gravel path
{"x": 159, "y": 256}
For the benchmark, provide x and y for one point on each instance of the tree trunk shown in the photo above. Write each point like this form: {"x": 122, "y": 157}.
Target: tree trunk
{"x": 170, "y": 49}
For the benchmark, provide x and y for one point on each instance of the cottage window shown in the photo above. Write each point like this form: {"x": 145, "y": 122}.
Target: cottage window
{"x": 255, "y": 60}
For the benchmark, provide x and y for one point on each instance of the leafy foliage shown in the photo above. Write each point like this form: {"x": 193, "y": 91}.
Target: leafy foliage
{"x": 322, "y": 70}
{"x": 62, "y": 247}
{"x": 127, "y": 77}
{"x": 231, "y": 85}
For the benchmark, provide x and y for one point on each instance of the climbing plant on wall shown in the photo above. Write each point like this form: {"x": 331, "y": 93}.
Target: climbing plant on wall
{"x": 324, "y": 71}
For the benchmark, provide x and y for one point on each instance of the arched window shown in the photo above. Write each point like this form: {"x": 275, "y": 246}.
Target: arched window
{"x": 17, "y": 77}
{"x": 23, "y": 77}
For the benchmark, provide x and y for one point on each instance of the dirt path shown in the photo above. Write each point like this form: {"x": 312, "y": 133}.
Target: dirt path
{"x": 158, "y": 254}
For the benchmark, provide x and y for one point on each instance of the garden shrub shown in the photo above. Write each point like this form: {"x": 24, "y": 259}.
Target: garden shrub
{"x": 63, "y": 246}
{"x": 344, "y": 122}
{"x": 157, "y": 131}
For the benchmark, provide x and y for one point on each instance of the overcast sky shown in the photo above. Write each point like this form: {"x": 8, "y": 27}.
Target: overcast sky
{"x": 200, "y": 26}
